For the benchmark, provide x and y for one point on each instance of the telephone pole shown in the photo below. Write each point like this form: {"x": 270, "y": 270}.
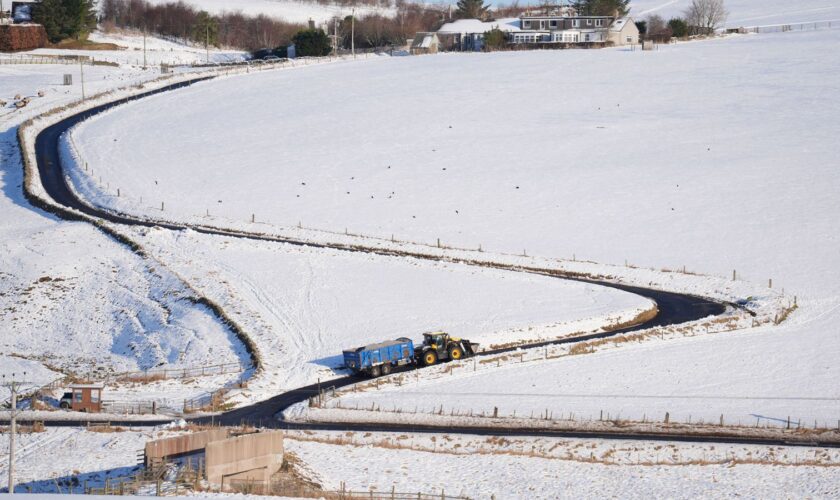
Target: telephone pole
{"x": 14, "y": 387}
{"x": 82, "y": 74}
{"x": 144, "y": 46}
{"x": 353, "y": 32}
{"x": 207, "y": 41}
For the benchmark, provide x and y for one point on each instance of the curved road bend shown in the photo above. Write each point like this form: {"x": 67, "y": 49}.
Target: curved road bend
{"x": 674, "y": 308}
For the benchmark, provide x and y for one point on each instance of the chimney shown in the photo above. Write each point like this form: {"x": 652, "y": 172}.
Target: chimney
{"x": 311, "y": 24}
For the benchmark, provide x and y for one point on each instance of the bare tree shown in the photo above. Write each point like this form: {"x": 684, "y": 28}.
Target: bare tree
{"x": 705, "y": 16}
{"x": 655, "y": 24}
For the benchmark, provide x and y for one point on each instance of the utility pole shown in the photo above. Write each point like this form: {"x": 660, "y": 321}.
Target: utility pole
{"x": 82, "y": 72}
{"x": 207, "y": 40}
{"x": 335, "y": 36}
{"x": 144, "y": 46}
{"x": 14, "y": 388}
{"x": 353, "y": 32}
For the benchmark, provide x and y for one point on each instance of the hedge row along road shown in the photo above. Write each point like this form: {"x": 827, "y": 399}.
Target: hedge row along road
{"x": 673, "y": 308}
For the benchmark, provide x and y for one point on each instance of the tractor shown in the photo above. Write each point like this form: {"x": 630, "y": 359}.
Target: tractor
{"x": 439, "y": 346}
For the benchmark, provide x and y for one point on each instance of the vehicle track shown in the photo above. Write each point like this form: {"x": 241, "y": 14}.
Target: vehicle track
{"x": 674, "y": 308}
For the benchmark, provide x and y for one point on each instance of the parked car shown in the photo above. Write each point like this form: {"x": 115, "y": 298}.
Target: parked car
{"x": 66, "y": 401}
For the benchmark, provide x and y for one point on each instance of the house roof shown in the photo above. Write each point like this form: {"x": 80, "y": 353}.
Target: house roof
{"x": 423, "y": 40}
{"x": 620, "y": 23}
{"x": 478, "y": 26}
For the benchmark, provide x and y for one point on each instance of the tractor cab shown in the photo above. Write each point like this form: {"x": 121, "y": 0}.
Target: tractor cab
{"x": 438, "y": 341}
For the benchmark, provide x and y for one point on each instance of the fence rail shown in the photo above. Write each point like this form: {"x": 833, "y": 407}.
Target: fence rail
{"x": 146, "y": 376}
{"x": 783, "y": 28}
{"x": 286, "y": 489}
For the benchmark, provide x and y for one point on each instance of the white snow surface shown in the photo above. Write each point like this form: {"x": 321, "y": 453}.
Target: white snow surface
{"x": 715, "y": 182}
{"x": 478, "y": 26}
{"x": 304, "y": 306}
{"x": 288, "y": 10}
{"x": 507, "y": 468}
{"x": 747, "y": 12}
{"x": 72, "y": 298}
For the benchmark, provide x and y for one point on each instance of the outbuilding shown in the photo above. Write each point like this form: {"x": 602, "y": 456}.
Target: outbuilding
{"x": 623, "y": 32}
{"x": 425, "y": 43}
{"x": 86, "y": 397}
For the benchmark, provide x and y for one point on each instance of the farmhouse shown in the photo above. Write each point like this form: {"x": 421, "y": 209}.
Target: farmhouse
{"x": 558, "y": 27}
{"x": 568, "y": 28}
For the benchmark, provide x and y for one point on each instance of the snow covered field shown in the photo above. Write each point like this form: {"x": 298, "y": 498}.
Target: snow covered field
{"x": 748, "y": 12}
{"x": 304, "y": 306}
{"x": 70, "y": 297}
{"x": 60, "y": 454}
{"x": 746, "y": 191}
{"x": 476, "y": 466}
{"x": 289, "y": 10}
{"x": 506, "y": 468}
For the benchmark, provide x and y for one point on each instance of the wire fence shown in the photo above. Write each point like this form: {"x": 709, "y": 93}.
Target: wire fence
{"x": 44, "y": 59}
{"x": 784, "y": 28}
{"x": 298, "y": 490}
{"x": 146, "y": 376}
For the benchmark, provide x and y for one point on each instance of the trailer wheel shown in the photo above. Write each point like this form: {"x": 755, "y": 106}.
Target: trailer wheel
{"x": 386, "y": 369}
{"x": 64, "y": 405}
{"x": 375, "y": 371}
{"x": 430, "y": 358}
{"x": 455, "y": 352}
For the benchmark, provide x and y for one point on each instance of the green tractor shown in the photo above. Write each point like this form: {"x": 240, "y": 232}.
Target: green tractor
{"x": 440, "y": 346}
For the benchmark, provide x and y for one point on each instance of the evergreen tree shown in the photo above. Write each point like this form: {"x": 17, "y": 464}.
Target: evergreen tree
{"x": 312, "y": 42}
{"x": 679, "y": 28}
{"x": 471, "y": 9}
{"x": 602, "y": 7}
{"x": 206, "y": 29}
{"x": 66, "y": 18}
{"x": 50, "y": 14}
{"x": 80, "y": 18}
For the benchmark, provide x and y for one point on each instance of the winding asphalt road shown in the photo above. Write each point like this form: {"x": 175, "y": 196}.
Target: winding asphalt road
{"x": 673, "y": 308}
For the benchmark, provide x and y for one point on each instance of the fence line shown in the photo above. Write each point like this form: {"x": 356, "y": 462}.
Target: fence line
{"x": 783, "y": 28}
{"x": 177, "y": 373}
{"x": 284, "y": 488}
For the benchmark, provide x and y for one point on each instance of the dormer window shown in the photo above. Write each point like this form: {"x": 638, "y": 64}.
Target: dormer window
{"x": 526, "y": 24}
{"x": 599, "y": 22}
{"x": 576, "y": 23}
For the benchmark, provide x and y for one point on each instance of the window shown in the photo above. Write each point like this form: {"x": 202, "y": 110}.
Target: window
{"x": 599, "y": 22}
{"x": 553, "y": 23}
{"x": 94, "y": 396}
{"x": 77, "y": 396}
{"x": 526, "y": 25}
{"x": 576, "y": 23}
{"x": 587, "y": 37}
{"x": 542, "y": 24}
{"x": 589, "y": 22}
{"x": 629, "y": 39}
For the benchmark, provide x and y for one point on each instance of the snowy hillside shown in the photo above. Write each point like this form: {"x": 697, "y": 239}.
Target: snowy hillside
{"x": 616, "y": 170}
{"x": 304, "y": 306}
{"x": 70, "y": 297}
{"x": 748, "y": 12}
{"x": 289, "y": 10}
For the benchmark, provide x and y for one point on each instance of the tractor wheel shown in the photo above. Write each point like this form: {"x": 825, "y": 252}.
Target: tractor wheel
{"x": 430, "y": 358}
{"x": 455, "y": 352}
{"x": 386, "y": 369}
{"x": 375, "y": 371}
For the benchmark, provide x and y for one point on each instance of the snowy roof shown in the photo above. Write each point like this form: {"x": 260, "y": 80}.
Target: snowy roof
{"x": 87, "y": 386}
{"x": 619, "y": 23}
{"x": 478, "y": 26}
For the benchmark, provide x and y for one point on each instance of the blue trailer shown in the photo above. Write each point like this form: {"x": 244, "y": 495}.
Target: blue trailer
{"x": 379, "y": 359}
